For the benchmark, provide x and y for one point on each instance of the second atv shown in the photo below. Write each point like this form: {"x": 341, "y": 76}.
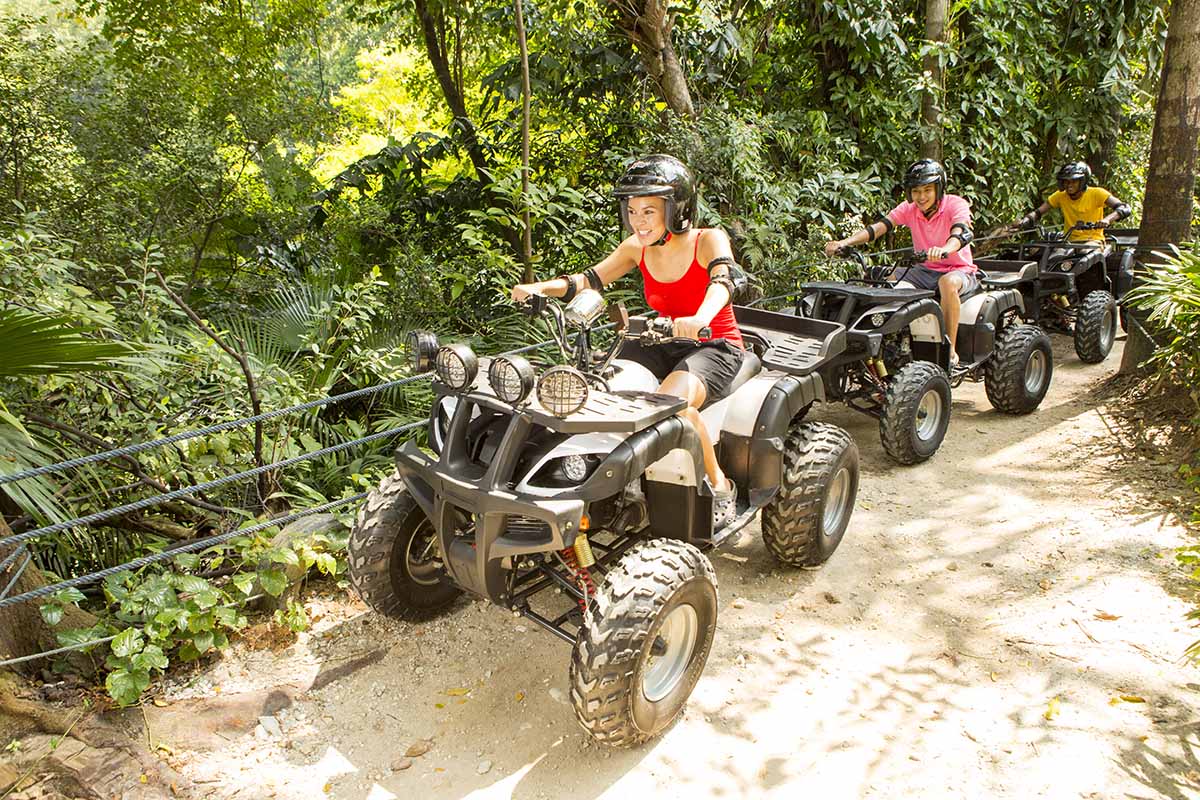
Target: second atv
{"x": 896, "y": 363}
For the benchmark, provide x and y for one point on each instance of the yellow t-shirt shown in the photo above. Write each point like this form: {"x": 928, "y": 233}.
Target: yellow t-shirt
{"x": 1088, "y": 208}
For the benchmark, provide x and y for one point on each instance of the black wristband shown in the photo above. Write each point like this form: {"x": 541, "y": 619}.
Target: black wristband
{"x": 593, "y": 278}
{"x": 569, "y": 295}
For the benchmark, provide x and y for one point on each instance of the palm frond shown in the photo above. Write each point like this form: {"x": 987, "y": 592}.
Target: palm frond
{"x": 43, "y": 344}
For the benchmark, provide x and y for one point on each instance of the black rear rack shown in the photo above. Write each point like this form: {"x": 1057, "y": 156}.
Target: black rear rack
{"x": 795, "y": 345}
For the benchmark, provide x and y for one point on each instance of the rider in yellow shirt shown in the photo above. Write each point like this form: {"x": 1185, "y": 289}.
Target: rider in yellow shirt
{"x": 1079, "y": 203}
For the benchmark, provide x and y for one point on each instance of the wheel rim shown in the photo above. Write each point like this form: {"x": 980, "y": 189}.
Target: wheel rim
{"x": 420, "y": 557}
{"x": 1035, "y": 371}
{"x": 836, "y": 501}
{"x": 679, "y": 633}
{"x": 1108, "y": 329}
{"x": 929, "y": 415}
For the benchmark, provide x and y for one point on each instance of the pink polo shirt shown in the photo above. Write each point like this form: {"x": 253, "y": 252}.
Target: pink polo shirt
{"x": 934, "y": 231}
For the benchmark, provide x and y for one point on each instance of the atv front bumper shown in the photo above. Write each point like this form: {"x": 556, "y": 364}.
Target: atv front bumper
{"x": 480, "y": 520}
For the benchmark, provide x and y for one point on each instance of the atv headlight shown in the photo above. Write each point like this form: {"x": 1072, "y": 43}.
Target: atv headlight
{"x": 1067, "y": 266}
{"x": 422, "y": 347}
{"x": 562, "y": 391}
{"x": 511, "y": 378}
{"x": 456, "y": 366}
{"x": 877, "y": 320}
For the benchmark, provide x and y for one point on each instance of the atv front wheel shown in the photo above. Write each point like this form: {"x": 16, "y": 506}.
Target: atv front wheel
{"x": 644, "y": 642}
{"x": 395, "y": 563}
{"x": 916, "y": 412}
{"x": 1096, "y": 327}
{"x": 1018, "y": 374}
{"x": 806, "y": 521}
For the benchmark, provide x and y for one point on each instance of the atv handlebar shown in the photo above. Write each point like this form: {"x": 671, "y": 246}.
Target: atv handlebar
{"x": 652, "y": 330}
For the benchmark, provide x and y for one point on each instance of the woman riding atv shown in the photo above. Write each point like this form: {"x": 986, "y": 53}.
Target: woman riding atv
{"x": 686, "y": 276}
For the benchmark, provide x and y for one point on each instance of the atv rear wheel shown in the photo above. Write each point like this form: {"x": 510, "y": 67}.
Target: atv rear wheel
{"x": 1018, "y": 374}
{"x": 916, "y": 412}
{"x": 806, "y": 521}
{"x": 644, "y": 642}
{"x": 395, "y": 563}
{"x": 1096, "y": 327}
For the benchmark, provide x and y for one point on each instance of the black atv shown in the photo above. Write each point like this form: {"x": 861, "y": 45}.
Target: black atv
{"x": 586, "y": 480}
{"x": 896, "y": 364}
{"x": 1070, "y": 286}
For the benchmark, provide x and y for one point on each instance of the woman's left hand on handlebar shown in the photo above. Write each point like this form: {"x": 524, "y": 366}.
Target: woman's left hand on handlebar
{"x": 689, "y": 327}
{"x": 521, "y": 291}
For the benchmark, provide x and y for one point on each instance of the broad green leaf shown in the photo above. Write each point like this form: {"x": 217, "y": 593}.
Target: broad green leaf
{"x": 273, "y": 581}
{"x": 126, "y": 686}
{"x": 128, "y": 642}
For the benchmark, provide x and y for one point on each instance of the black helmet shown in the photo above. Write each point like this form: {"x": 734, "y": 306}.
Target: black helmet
{"x": 920, "y": 173}
{"x": 1075, "y": 171}
{"x": 660, "y": 176}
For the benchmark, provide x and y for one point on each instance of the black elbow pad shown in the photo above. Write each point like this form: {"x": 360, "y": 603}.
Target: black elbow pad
{"x": 1123, "y": 210}
{"x": 739, "y": 283}
{"x": 962, "y": 233}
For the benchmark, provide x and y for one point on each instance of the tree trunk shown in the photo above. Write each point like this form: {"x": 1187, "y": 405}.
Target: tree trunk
{"x": 527, "y": 238}
{"x": 649, "y": 28}
{"x": 1171, "y": 178}
{"x": 431, "y": 29}
{"x": 23, "y": 632}
{"x": 931, "y": 102}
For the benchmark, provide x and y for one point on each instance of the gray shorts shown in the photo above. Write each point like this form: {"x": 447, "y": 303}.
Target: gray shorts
{"x": 919, "y": 276}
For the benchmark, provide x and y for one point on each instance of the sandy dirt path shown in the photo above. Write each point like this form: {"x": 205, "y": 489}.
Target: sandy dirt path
{"x": 973, "y": 637}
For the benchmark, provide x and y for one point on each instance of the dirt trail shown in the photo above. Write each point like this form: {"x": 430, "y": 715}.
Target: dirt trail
{"x": 973, "y": 637}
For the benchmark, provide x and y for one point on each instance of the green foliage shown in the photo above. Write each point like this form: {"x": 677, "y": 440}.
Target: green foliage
{"x": 160, "y": 616}
{"x": 1170, "y": 292}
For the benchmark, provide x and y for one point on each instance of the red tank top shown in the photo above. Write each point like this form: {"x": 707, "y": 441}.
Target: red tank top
{"x": 682, "y": 298}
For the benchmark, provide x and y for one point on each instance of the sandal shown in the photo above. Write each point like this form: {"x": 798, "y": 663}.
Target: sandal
{"x": 724, "y": 506}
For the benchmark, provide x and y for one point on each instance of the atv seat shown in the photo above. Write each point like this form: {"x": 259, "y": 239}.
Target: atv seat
{"x": 751, "y": 366}
{"x": 1006, "y": 274}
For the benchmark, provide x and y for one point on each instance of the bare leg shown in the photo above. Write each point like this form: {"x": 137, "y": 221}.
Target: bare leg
{"x": 691, "y": 388}
{"x": 948, "y": 286}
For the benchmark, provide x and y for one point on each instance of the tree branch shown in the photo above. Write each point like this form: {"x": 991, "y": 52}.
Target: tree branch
{"x": 133, "y": 467}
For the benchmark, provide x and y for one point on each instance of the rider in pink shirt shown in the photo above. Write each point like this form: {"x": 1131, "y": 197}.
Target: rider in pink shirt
{"x": 941, "y": 226}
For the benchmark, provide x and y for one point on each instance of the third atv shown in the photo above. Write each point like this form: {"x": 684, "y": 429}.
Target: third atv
{"x": 1073, "y": 287}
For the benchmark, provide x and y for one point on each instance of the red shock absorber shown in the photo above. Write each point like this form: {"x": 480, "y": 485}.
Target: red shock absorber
{"x": 581, "y": 575}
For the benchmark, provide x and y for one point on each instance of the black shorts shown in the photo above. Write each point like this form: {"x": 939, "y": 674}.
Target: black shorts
{"x": 919, "y": 276}
{"x": 715, "y": 362}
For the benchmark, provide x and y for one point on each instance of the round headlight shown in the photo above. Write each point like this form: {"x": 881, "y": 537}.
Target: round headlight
{"x": 574, "y": 468}
{"x": 877, "y": 320}
{"x": 562, "y": 391}
{"x": 1067, "y": 266}
{"x": 511, "y": 378}
{"x": 422, "y": 348}
{"x": 456, "y": 366}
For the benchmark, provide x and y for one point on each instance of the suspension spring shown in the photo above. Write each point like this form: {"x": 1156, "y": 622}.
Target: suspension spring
{"x": 582, "y": 576}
